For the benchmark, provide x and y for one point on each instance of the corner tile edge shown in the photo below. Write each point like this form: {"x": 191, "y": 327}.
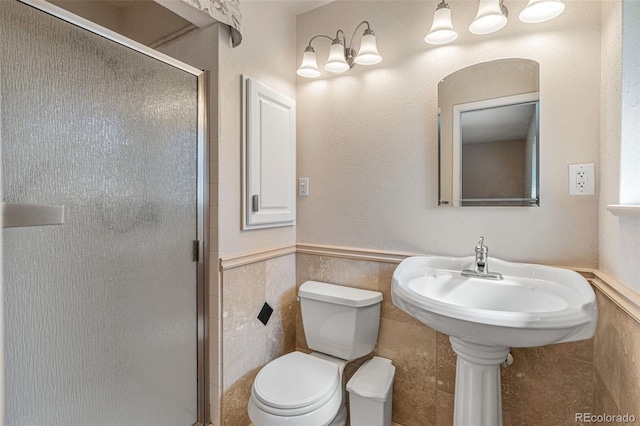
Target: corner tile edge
{"x": 618, "y": 293}
{"x": 234, "y": 261}
{"x": 354, "y": 253}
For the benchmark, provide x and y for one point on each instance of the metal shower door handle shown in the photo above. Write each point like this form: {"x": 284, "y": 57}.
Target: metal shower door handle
{"x": 19, "y": 215}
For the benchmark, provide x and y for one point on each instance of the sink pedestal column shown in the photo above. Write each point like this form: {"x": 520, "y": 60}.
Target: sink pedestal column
{"x": 478, "y": 396}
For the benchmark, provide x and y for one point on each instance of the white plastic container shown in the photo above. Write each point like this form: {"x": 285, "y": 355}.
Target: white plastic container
{"x": 370, "y": 391}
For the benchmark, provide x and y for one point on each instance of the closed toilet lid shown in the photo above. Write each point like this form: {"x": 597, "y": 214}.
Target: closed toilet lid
{"x": 295, "y": 381}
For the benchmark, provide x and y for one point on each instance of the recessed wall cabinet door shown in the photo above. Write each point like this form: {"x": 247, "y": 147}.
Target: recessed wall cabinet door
{"x": 269, "y": 157}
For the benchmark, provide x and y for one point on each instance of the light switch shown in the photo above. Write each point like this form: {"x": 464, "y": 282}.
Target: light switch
{"x": 303, "y": 187}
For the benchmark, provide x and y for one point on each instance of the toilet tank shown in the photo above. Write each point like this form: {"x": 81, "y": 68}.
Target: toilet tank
{"x": 340, "y": 321}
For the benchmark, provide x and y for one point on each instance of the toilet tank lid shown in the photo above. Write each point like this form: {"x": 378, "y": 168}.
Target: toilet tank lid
{"x": 338, "y": 294}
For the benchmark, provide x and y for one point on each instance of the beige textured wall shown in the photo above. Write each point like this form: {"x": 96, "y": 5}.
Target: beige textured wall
{"x": 501, "y": 163}
{"x": 267, "y": 54}
{"x": 380, "y": 124}
{"x": 619, "y": 238}
{"x": 367, "y": 139}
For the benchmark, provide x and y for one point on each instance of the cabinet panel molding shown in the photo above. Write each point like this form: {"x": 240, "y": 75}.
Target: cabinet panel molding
{"x": 269, "y": 155}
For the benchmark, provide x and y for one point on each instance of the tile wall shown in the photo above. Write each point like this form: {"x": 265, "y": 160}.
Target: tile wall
{"x": 425, "y": 363}
{"x": 544, "y": 386}
{"x": 617, "y": 363}
{"x": 247, "y": 344}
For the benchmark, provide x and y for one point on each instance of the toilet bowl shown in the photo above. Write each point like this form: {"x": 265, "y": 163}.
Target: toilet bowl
{"x": 298, "y": 389}
{"x": 341, "y": 324}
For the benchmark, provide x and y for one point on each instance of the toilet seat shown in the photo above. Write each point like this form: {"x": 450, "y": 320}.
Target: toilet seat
{"x": 295, "y": 384}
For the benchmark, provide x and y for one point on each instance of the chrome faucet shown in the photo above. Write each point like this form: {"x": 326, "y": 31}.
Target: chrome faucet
{"x": 481, "y": 264}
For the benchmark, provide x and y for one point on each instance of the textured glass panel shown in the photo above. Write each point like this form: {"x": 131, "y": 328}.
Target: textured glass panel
{"x": 100, "y": 313}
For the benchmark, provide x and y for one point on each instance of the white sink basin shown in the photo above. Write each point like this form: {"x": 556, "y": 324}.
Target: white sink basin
{"x": 533, "y": 305}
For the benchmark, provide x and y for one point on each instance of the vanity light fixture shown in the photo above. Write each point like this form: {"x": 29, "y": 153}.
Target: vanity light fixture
{"x": 341, "y": 56}
{"x": 491, "y": 17}
{"x": 442, "y": 28}
{"x": 541, "y": 11}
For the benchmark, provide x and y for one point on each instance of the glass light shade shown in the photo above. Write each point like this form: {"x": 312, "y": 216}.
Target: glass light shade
{"x": 368, "y": 53}
{"x": 336, "y": 62}
{"x": 442, "y": 29}
{"x": 489, "y": 18}
{"x": 541, "y": 10}
{"x": 309, "y": 66}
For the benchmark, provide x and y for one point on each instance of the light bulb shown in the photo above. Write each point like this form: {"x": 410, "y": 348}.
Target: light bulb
{"x": 541, "y": 10}
{"x": 442, "y": 28}
{"x": 309, "y": 66}
{"x": 490, "y": 18}
{"x": 336, "y": 62}
{"x": 368, "y": 53}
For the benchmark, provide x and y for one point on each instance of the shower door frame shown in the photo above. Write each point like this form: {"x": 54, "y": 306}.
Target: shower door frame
{"x": 202, "y": 290}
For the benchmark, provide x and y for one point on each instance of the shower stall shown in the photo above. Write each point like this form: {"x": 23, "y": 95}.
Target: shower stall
{"x": 103, "y": 146}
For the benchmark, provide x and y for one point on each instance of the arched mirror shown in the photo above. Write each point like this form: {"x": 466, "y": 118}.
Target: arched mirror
{"x": 488, "y": 128}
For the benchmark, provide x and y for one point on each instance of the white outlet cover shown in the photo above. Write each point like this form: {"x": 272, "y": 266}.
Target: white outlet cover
{"x": 582, "y": 187}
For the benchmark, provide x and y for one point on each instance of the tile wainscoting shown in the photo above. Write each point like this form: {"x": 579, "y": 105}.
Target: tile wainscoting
{"x": 545, "y": 385}
{"x": 247, "y": 344}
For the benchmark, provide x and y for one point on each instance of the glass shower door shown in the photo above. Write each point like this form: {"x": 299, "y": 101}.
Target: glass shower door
{"x": 101, "y": 311}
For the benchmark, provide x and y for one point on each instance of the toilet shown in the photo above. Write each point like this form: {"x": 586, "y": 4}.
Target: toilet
{"x": 298, "y": 389}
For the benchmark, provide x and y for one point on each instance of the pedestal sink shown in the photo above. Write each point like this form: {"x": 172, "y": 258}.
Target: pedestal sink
{"x": 533, "y": 305}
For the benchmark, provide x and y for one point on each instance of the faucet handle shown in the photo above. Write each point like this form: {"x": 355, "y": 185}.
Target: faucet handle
{"x": 480, "y": 247}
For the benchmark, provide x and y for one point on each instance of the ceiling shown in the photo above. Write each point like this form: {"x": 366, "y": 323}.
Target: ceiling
{"x": 298, "y": 7}
{"x": 505, "y": 123}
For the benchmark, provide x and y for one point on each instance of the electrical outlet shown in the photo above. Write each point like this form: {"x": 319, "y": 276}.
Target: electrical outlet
{"x": 303, "y": 187}
{"x": 581, "y": 179}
